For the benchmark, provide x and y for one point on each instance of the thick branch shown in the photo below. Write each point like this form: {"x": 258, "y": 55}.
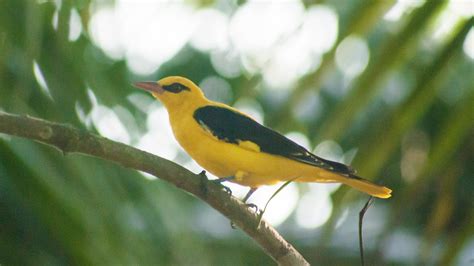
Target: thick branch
{"x": 69, "y": 139}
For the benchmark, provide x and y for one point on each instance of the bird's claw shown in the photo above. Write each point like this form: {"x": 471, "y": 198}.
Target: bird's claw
{"x": 253, "y": 206}
{"x": 258, "y": 212}
{"x": 227, "y": 190}
{"x": 204, "y": 179}
{"x": 219, "y": 182}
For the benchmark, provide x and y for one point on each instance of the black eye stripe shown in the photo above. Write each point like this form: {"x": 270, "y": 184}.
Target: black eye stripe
{"x": 176, "y": 88}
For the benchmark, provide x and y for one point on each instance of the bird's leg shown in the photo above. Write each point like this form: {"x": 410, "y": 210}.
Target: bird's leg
{"x": 249, "y": 193}
{"x": 204, "y": 180}
{"x": 223, "y": 179}
{"x": 247, "y": 196}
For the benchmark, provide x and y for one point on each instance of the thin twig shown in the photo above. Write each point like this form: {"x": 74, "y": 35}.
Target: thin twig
{"x": 361, "y": 218}
{"x": 69, "y": 139}
{"x": 260, "y": 215}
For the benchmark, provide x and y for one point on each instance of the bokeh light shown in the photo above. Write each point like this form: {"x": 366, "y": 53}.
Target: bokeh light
{"x": 330, "y": 150}
{"x": 159, "y": 138}
{"x": 256, "y": 27}
{"x": 41, "y": 80}
{"x": 75, "y": 26}
{"x": 226, "y": 62}
{"x": 320, "y": 28}
{"x": 315, "y": 207}
{"x": 108, "y": 124}
{"x": 250, "y": 107}
{"x": 299, "y": 138}
{"x": 216, "y": 89}
{"x": 141, "y": 33}
{"x": 468, "y": 46}
{"x": 352, "y": 56}
{"x": 401, "y": 8}
{"x": 211, "y": 30}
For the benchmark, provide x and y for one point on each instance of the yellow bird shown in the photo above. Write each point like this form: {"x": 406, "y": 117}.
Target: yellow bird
{"x": 234, "y": 147}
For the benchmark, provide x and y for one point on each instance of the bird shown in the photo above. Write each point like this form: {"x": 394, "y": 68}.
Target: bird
{"x": 234, "y": 147}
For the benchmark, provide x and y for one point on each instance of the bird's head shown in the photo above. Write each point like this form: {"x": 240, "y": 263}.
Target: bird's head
{"x": 174, "y": 91}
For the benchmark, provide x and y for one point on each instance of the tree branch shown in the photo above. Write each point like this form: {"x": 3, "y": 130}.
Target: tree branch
{"x": 69, "y": 139}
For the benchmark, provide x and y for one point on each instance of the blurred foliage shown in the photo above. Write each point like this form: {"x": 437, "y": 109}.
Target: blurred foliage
{"x": 73, "y": 209}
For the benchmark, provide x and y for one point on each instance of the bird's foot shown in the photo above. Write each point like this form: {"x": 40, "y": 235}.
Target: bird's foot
{"x": 252, "y": 206}
{"x": 227, "y": 190}
{"x": 221, "y": 180}
{"x": 258, "y": 212}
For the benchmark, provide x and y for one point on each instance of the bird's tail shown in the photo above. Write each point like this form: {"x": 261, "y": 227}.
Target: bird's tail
{"x": 353, "y": 181}
{"x": 367, "y": 187}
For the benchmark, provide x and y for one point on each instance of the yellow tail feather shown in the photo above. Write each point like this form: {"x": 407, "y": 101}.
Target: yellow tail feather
{"x": 367, "y": 187}
{"x": 355, "y": 182}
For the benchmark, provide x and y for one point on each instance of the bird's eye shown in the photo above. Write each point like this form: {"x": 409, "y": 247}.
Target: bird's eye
{"x": 176, "y": 88}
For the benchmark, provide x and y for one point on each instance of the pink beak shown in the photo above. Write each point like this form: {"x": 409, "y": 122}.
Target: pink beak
{"x": 150, "y": 86}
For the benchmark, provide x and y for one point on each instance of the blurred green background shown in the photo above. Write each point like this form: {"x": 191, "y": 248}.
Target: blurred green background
{"x": 387, "y": 86}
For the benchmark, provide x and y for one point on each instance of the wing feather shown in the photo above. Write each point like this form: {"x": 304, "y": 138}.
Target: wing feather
{"x": 232, "y": 127}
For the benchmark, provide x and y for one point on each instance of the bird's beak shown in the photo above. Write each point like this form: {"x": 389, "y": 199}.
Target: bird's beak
{"x": 150, "y": 86}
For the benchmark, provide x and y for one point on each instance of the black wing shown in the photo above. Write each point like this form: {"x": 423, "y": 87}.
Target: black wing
{"x": 233, "y": 127}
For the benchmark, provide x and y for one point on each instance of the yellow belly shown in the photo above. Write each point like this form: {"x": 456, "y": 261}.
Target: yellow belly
{"x": 250, "y": 168}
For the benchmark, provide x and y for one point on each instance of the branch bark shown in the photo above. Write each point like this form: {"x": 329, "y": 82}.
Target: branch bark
{"x": 71, "y": 140}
